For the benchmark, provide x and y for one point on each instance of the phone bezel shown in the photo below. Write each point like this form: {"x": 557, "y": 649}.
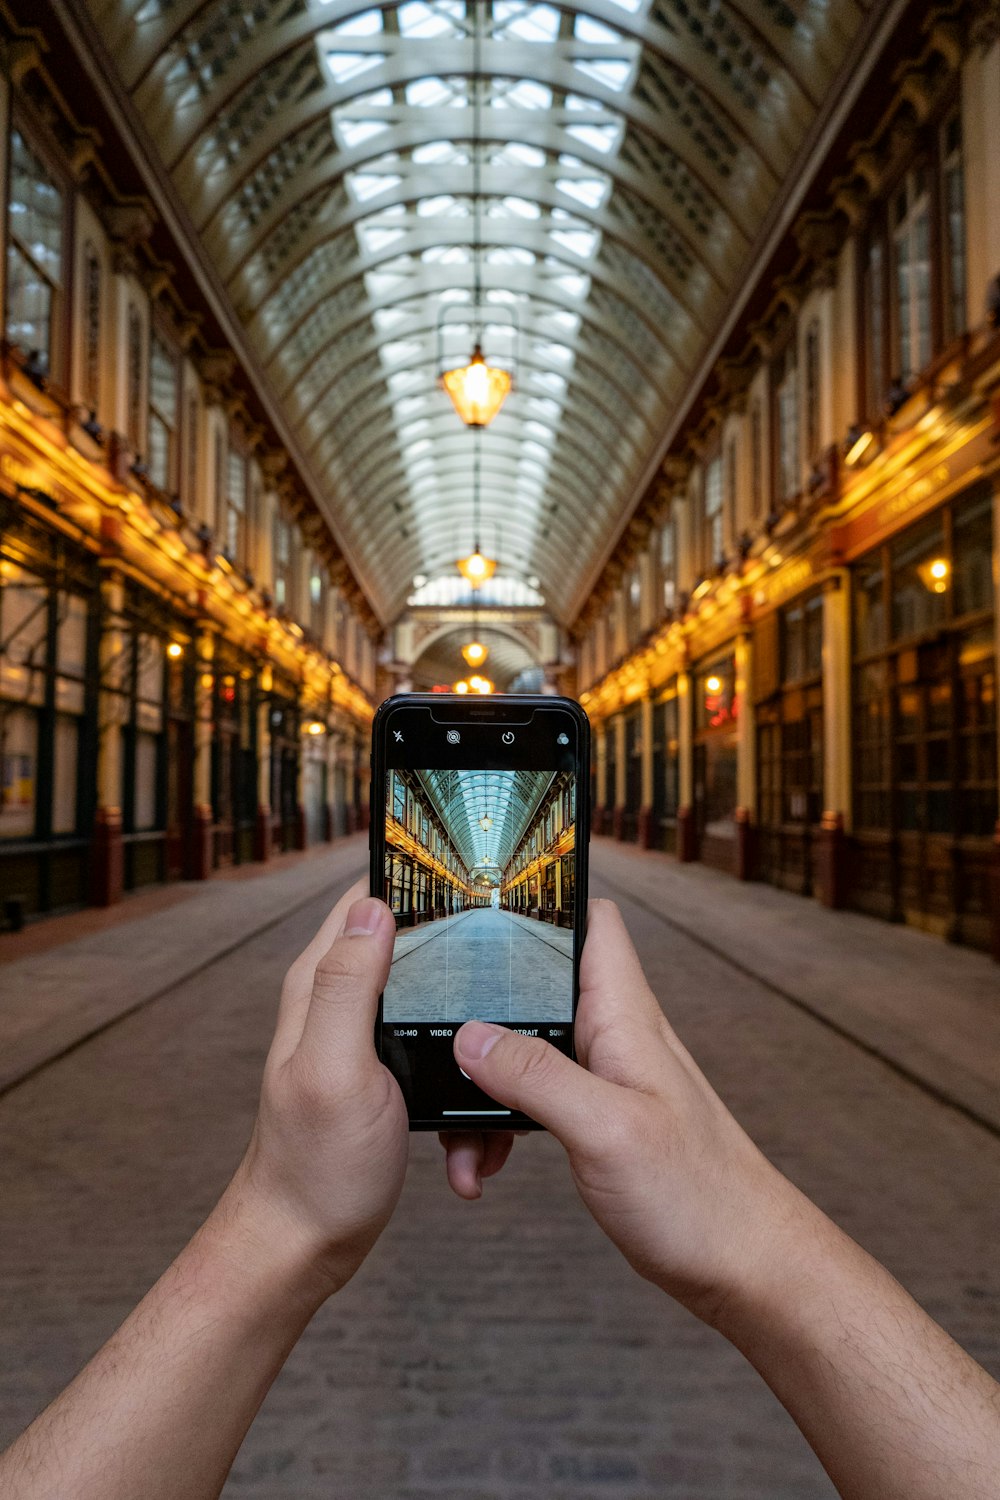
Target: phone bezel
{"x": 450, "y": 708}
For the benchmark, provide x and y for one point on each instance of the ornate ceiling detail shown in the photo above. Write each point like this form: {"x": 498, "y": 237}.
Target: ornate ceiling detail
{"x": 629, "y": 154}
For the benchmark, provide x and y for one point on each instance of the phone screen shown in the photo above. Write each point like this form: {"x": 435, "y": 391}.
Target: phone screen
{"x": 481, "y": 866}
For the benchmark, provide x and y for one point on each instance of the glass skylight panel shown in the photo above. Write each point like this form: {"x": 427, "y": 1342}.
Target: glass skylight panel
{"x": 414, "y": 429}
{"x": 376, "y": 237}
{"x": 589, "y": 30}
{"x": 601, "y": 138}
{"x": 581, "y": 242}
{"x": 544, "y": 407}
{"x": 419, "y": 20}
{"x": 388, "y": 318}
{"x": 612, "y": 72}
{"x": 447, "y": 255}
{"x": 365, "y": 185}
{"x": 395, "y": 352}
{"x": 535, "y": 450}
{"x": 409, "y": 406}
{"x": 566, "y": 322}
{"x": 530, "y": 23}
{"x": 522, "y": 208}
{"x": 501, "y": 295}
{"x": 443, "y": 203}
{"x": 517, "y": 154}
{"x": 509, "y": 255}
{"x": 356, "y": 132}
{"x": 405, "y": 380}
{"x": 427, "y": 93}
{"x": 548, "y": 380}
{"x": 556, "y": 354}
{"x": 539, "y": 432}
{"x": 525, "y": 94}
{"x": 454, "y": 294}
{"x": 347, "y": 65}
{"x": 435, "y": 153}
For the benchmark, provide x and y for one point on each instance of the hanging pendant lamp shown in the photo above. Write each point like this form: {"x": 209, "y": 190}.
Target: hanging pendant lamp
{"x": 476, "y": 568}
{"x": 478, "y": 389}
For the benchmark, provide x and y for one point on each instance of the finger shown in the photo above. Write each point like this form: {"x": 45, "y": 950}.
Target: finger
{"x": 527, "y": 1074}
{"x": 463, "y": 1161}
{"x": 497, "y": 1146}
{"x": 338, "y": 1032}
{"x": 620, "y": 1027}
{"x": 298, "y": 982}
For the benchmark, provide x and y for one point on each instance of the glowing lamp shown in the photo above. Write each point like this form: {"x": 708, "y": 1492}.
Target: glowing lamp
{"x": 859, "y": 440}
{"x": 477, "y": 390}
{"x": 475, "y": 653}
{"x": 486, "y": 822}
{"x": 175, "y": 650}
{"x": 713, "y": 684}
{"x": 934, "y": 574}
{"x": 461, "y": 687}
{"x": 316, "y": 728}
{"x": 476, "y": 568}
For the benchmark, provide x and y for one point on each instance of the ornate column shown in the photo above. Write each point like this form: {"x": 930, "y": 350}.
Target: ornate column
{"x": 687, "y": 843}
{"x": 601, "y": 765}
{"x": 836, "y": 821}
{"x": 107, "y": 850}
{"x": 646, "y": 834}
{"x": 201, "y": 861}
{"x": 262, "y": 824}
{"x": 746, "y": 761}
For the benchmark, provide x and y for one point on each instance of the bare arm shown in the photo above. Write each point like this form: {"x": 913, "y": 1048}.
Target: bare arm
{"x": 892, "y": 1406}
{"x": 162, "y": 1408}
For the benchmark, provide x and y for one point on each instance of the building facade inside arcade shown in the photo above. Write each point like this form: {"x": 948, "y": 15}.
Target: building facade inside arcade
{"x": 742, "y": 265}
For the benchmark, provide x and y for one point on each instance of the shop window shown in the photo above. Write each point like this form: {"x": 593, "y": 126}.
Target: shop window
{"x": 732, "y": 486}
{"x": 19, "y": 762}
{"x": 972, "y": 544}
{"x": 191, "y": 450}
{"x": 871, "y": 738}
{"x": 282, "y": 563}
{"x": 953, "y": 227}
{"x": 786, "y": 413}
{"x": 135, "y": 364}
{"x": 235, "y": 515}
{"x": 163, "y": 414}
{"x": 668, "y": 565}
{"x": 92, "y": 315}
{"x": 910, "y": 217}
{"x": 35, "y": 255}
{"x": 920, "y": 571}
{"x": 756, "y": 459}
{"x": 875, "y": 343}
{"x": 813, "y": 393}
{"x": 65, "y": 764}
{"x": 869, "y": 605}
{"x": 801, "y": 634}
{"x": 713, "y": 544}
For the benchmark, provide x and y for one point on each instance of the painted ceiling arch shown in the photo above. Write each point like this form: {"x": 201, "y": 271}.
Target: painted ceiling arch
{"x": 619, "y": 158}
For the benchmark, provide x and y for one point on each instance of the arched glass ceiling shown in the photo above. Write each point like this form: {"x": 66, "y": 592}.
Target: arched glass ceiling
{"x": 506, "y": 800}
{"x": 628, "y": 151}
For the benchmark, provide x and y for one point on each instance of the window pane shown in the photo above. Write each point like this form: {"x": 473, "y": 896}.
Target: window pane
{"x": 919, "y": 597}
{"x": 18, "y": 773}
{"x": 36, "y": 209}
{"x": 973, "y": 546}
{"x": 145, "y": 780}
{"x": 29, "y": 307}
{"x": 66, "y": 740}
{"x": 869, "y": 607}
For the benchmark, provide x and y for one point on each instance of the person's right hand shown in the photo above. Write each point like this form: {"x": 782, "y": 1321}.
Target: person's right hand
{"x": 658, "y": 1159}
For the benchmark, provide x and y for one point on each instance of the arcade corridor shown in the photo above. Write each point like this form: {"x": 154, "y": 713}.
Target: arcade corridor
{"x": 504, "y": 1349}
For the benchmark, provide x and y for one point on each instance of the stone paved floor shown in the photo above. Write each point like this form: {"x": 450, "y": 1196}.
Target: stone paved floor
{"x": 499, "y": 1350}
{"x": 486, "y": 964}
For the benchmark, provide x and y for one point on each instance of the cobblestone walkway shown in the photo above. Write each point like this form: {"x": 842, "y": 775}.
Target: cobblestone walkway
{"x": 486, "y": 964}
{"x": 491, "y": 1351}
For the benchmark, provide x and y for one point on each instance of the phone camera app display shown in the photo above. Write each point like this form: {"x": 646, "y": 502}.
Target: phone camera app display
{"x": 479, "y": 871}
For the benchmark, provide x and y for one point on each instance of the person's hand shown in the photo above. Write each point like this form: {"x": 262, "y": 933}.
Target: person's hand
{"x": 658, "y": 1159}
{"x": 328, "y": 1153}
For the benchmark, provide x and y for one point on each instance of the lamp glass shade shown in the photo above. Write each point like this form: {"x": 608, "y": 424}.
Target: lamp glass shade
{"x": 477, "y": 390}
{"x": 475, "y": 653}
{"x": 476, "y": 568}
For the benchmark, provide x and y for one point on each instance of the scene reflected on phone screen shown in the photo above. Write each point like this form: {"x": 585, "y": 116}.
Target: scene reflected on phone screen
{"x": 479, "y": 873}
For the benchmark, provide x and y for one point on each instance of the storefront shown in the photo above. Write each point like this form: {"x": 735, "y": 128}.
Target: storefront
{"x": 234, "y": 755}
{"x": 788, "y": 693}
{"x": 315, "y": 777}
{"x": 49, "y": 619}
{"x": 666, "y": 768}
{"x": 716, "y": 713}
{"x": 924, "y": 722}
{"x": 628, "y": 820}
{"x": 283, "y": 719}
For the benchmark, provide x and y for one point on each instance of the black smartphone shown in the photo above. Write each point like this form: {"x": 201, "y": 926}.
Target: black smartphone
{"x": 479, "y": 834}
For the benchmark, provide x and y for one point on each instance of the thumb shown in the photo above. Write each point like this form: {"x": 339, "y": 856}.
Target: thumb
{"x": 340, "y": 1022}
{"x": 528, "y": 1074}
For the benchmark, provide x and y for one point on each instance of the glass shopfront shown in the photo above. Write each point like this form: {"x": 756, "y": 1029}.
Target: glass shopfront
{"x": 48, "y": 718}
{"x": 716, "y": 712}
{"x": 925, "y": 757}
{"x": 789, "y": 667}
{"x": 234, "y": 756}
{"x": 666, "y": 768}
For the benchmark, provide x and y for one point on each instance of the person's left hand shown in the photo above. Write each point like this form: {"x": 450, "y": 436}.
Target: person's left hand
{"x": 328, "y": 1153}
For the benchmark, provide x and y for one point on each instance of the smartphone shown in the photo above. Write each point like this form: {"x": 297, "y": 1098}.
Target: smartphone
{"x": 479, "y": 834}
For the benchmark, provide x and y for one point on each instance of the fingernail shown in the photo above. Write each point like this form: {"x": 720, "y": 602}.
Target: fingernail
{"x": 476, "y": 1038}
{"x": 363, "y": 917}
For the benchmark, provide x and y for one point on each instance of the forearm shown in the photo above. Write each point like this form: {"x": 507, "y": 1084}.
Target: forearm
{"x": 892, "y": 1406}
{"x": 162, "y": 1408}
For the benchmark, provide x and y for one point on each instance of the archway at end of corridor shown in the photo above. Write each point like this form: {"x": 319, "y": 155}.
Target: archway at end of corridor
{"x": 512, "y": 660}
